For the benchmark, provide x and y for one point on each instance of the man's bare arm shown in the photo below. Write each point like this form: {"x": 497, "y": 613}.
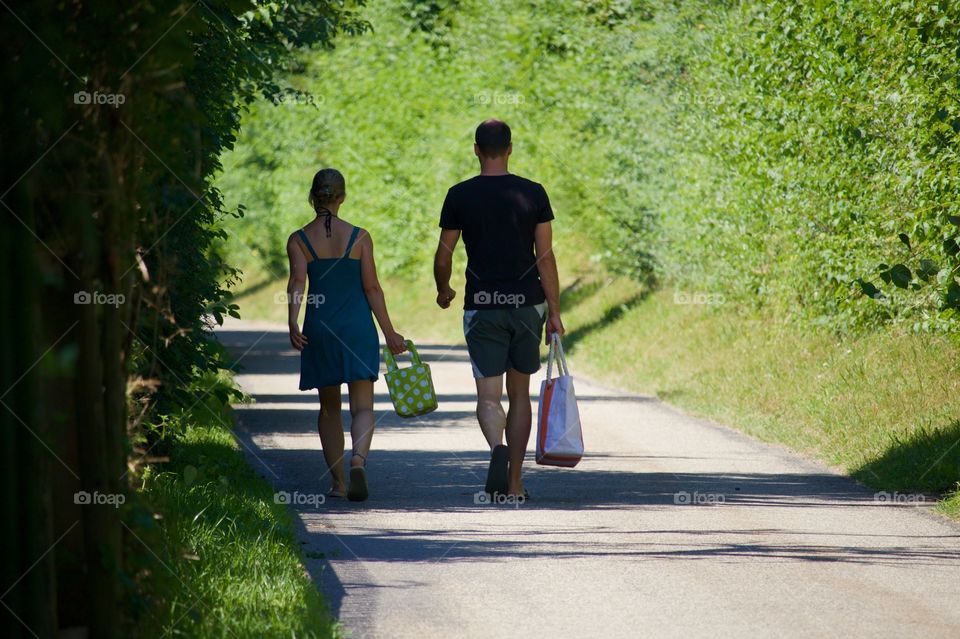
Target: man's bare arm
{"x": 549, "y": 277}
{"x": 443, "y": 266}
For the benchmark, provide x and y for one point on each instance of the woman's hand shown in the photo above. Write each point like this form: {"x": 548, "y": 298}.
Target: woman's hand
{"x": 395, "y": 342}
{"x": 297, "y": 339}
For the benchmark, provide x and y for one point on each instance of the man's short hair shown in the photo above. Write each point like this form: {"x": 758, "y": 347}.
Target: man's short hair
{"x": 493, "y": 138}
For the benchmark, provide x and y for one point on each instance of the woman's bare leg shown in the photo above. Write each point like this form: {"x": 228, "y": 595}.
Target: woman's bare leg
{"x": 361, "y": 419}
{"x": 330, "y": 427}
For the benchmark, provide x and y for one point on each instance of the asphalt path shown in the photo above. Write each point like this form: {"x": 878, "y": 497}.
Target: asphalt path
{"x": 671, "y": 526}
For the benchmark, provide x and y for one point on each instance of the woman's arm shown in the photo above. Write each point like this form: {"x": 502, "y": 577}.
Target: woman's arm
{"x": 371, "y": 286}
{"x": 295, "y": 286}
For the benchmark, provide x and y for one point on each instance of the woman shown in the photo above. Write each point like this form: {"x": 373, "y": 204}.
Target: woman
{"x": 338, "y": 344}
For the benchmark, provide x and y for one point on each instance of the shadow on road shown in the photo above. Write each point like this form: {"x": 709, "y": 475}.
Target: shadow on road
{"x": 433, "y": 483}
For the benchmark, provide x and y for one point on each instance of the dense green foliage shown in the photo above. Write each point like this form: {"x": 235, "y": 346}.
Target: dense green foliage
{"x": 239, "y": 51}
{"x": 109, "y": 217}
{"x": 786, "y": 156}
{"x": 395, "y": 110}
{"x": 833, "y": 131}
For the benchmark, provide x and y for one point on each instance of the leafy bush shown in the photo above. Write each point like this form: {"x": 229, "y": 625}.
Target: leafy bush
{"x": 832, "y": 129}
{"x": 799, "y": 157}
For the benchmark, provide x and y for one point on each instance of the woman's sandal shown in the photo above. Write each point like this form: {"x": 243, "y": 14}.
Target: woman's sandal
{"x": 336, "y": 494}
{"x": 358, "y": 490}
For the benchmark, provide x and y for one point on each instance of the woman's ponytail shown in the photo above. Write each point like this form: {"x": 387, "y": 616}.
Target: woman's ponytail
{"x": 328, "y": 187}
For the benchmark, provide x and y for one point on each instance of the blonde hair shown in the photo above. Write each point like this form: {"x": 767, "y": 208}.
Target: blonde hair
{"x": 328, "y": 187}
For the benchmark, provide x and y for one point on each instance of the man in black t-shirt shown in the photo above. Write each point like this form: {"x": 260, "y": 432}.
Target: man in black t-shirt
{"x": 512, "y": 290}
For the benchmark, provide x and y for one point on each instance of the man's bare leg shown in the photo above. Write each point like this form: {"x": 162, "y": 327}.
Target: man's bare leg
{"x": 519, "y": 419}
{"x": 490, "y": 410}
{"x": 492, "y": 423}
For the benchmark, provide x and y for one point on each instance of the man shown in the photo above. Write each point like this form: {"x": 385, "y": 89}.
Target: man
{"x": 512, "y": 289}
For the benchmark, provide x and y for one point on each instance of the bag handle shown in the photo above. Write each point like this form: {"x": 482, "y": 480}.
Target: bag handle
{"x": 556, "y": 352}
{"x": 391, "y": 361}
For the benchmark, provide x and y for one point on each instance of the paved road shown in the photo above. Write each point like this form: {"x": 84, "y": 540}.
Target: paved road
{"x": 602, "y": 550}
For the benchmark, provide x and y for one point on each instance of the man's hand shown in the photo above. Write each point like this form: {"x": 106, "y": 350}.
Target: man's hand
{"x": 297, "y": 339}
{"x": 446, "y": 296}
{"x": 554, "y": 325}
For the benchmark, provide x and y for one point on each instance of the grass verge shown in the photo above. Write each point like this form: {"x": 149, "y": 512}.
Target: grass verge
{"x": 951, "y": 506}
{"x": 882, "y": 407}
{"x": 221, "y": 556}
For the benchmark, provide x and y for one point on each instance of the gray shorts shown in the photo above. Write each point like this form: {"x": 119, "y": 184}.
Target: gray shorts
{"x": 503, "y": 338}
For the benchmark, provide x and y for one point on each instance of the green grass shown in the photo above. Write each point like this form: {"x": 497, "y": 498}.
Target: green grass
{"x": 951, "y": 506}
{"x": 882, "y": 407}
{"x": 226, "y": 561}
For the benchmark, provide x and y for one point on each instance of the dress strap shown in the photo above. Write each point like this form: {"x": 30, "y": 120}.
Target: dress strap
{"x": 353, "y": 238}
{"x": 303, "y": 236}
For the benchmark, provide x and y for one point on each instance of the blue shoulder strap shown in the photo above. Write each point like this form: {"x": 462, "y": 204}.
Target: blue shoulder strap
{"x": 353, "y": 238}
{"x": 303, "y": 236}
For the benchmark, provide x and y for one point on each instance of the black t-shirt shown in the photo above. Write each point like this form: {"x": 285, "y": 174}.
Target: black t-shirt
{"x": 497, "y": 215}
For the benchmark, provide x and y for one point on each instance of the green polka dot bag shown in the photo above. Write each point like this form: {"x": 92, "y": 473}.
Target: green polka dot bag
{"x": 411, "y": 388}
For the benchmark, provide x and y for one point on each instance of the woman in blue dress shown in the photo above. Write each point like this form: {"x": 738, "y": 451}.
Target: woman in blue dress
{"x": 338, "y": 343}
